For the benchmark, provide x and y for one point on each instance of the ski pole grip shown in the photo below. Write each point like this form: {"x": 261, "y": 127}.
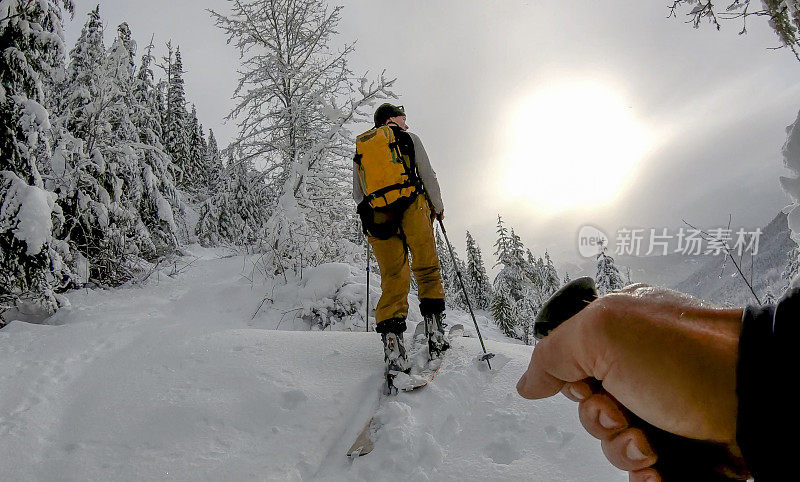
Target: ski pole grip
{"x": 680, "y": 459}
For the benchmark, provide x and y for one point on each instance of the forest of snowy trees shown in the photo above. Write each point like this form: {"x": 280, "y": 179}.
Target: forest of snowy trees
{"x": 101, "y": 155}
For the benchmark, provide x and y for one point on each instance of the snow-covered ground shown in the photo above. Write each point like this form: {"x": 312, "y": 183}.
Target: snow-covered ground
{"x": 176, "y": 380}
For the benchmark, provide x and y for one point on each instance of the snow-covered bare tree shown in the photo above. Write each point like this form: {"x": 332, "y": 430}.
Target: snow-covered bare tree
{"x": 32, "y": 261}
{"x": 783, "y": 16}
{"x": 296, "y": 98}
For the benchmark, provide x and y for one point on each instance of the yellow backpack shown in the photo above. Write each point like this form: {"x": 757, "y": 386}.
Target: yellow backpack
{"x": 386, "y": 174}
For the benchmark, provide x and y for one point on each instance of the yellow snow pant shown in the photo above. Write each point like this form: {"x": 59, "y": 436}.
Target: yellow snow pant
{"x": 416, "y": 236}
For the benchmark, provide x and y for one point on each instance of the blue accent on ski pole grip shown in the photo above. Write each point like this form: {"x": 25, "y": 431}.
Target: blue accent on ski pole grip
{"x": 680, "y": 459}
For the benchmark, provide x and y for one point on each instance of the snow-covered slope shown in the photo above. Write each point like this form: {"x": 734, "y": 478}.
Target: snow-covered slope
{"x": 176, "y": 380}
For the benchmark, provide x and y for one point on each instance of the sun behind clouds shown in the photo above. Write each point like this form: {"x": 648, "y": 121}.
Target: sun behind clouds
{"x": 571, "y": 144}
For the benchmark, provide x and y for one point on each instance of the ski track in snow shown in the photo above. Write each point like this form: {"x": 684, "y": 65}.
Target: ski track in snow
{"x": 175, "y": 381}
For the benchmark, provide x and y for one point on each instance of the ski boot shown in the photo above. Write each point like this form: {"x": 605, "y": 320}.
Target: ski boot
{"x": 394, "y": 353}
{"x": 434, "y": 329}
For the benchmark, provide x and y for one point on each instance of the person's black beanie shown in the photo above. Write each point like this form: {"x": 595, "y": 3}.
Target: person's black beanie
{"x": 385, "y": 112}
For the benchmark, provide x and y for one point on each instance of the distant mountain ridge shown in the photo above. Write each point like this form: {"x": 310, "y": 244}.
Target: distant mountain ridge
{"x": 717, "y": 280}
{"x": 711, "y": 278}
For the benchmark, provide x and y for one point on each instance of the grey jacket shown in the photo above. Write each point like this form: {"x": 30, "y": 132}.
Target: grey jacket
{"x": 426, "y": 173}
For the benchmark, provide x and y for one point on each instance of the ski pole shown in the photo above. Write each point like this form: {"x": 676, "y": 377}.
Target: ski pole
{"x": 679, "y": 458}
{"x": 486, "y": 356}
{"x": 366, "y": 318}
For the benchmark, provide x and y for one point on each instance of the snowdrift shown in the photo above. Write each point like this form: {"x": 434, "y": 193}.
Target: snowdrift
{"x": 177, "y": 381}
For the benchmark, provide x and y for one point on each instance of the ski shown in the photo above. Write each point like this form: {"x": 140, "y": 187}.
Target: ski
{"x": 415, "y": 380}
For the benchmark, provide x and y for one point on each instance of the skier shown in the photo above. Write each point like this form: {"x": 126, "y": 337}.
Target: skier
{"x": 398, "y": 198}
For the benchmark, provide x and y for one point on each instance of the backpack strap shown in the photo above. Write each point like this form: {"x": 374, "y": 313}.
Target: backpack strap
{"x": 411, "y": 167}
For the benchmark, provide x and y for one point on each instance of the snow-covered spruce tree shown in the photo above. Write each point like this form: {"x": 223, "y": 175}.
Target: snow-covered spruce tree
{"x": 125, "y": 151}
{"x": 503, "y": 314}
{"x": 32, "y": 261}
{"x": 196, "y": 169}
{"x": 175, "y": 123}
{"x": 516, "y": 266}
{"x": 459, "y": 297}
{"x": 533, "y": 270}
{"x": 452, "y": 290}
{"x": 147, "y": 117}
{"x": 111, "y": 178}
{"x": 607, "y": 278}
{"x": 295, "y": 98}
{"x": 550, "y": 281}
{"x": 532, "y": 281}
{"x": 160, "y": 199}
{"x": 477, "y": 280}
{"x": 213, "y": 165}
{"x": 235, "y": 213}
{"x": 88, "y": 176}
{"x": 509, "y": 283}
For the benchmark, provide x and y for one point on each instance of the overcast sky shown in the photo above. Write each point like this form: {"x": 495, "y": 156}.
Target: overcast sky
{"x": 699, "y": 115}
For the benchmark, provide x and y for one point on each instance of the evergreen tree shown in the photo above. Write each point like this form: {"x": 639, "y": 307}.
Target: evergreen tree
{"x": 550, "y": 282}
{"x": 522, "y": 286}
{"x": 32, "y": 261}
{"x": 148, "y": 192}
{"x": 477, "y": 280}
{"x": 213, "y": 164}
{"x": 88, "y": 87}
{"x": 235, "y": 212}
{"x": 510, "y": 284}
{"x": 503, "y": 315}
{"x": 196, "y": 169}
{"x": 176, "y": 124}
{"x": 160, "y": 200}
{"x": 608, "y": 278}
{"x": 452, "y": 290}
{"x": 147, "y": 116}
{"x": 92, "y": 122}
{"x": 502, "y": 249}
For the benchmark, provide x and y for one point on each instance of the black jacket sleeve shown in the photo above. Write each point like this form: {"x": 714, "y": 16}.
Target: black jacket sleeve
{"x": 768, "y": 430}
